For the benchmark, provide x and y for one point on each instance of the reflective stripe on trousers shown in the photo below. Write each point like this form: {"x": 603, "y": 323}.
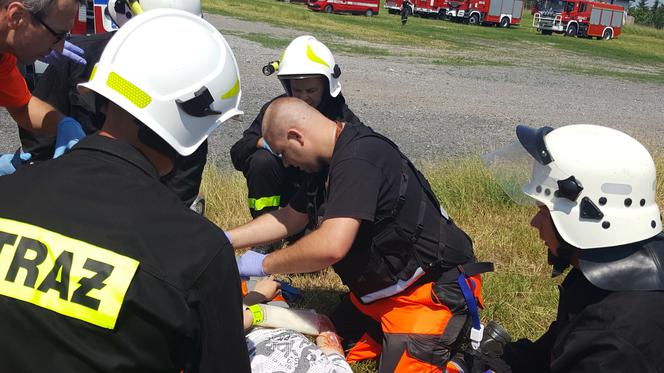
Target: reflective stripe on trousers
{"x": 263, "y": 202}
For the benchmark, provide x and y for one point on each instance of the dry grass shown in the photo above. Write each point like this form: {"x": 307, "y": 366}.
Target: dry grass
{"x": 520, "y": 294}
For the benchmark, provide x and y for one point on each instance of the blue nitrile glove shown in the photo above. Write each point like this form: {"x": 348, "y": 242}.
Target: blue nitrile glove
{"x": 69, "y": 133}
{"x": 251, "y": 264}
{"x": 9, "y": 162}
{"x": 69, "y": 52}
{"x": 228, "y": 236}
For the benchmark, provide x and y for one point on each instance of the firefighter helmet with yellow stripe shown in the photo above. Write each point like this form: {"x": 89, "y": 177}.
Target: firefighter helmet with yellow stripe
{"x": 172, "y": 71}
{"x": 306, "y": 57}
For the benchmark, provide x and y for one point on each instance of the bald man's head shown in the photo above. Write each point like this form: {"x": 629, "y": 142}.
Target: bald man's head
{"x": 298, "y": 132}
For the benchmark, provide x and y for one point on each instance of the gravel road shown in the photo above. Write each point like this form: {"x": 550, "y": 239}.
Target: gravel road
{"x": 437, "y": 111}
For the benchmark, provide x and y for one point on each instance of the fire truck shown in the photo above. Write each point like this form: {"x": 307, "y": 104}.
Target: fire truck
{"x": 423, "y": 8}
{"x": 503, "y": 13}
{"x": 581, "y": 18}
{"x": 430, "y": 8}
{"x": 366, "y": 7}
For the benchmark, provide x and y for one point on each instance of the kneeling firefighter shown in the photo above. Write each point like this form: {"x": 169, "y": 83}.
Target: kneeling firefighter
{"x": 598, "y": 213}
{"x": 414, "y": 284}
{"x": 307, "y": 70}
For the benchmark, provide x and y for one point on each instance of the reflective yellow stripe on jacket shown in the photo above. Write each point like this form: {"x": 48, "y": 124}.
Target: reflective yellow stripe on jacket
{"x": 63, "y": 274}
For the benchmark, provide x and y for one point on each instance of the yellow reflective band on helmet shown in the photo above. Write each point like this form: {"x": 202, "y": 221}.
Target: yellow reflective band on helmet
{"x": 94, "y": 70}
{"x": 233, "y": 91}
{"x": 314, "y": 58}
{"x": 132, "y": 93}
{"x": 135, "y": 7}
{"x": 263, "y": 202}
{"x": 281, "y": 58}
{"x": 63, "y": 274}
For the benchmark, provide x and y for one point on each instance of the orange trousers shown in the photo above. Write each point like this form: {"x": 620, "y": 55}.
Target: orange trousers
{"x": 408, "y": 329}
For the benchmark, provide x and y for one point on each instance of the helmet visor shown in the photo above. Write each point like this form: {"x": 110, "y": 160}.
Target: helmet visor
{"x": 511, "y": 167}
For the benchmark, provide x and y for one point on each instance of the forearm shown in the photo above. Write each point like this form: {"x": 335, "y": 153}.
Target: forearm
{"x": 37, "y": 116}
{"x": 323, "y": 247}
{"x": 268, "y": 228}
{"x": 311, "y": 253}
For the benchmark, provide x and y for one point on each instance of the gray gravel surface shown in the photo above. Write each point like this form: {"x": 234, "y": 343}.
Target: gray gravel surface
{"x": 437, "y": 111}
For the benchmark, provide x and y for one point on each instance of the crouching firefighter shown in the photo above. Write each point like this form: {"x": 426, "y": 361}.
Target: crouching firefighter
{"x": 105, "y": 270}
{"x": 597, "y": 212}
{"x": 414, "y": 283}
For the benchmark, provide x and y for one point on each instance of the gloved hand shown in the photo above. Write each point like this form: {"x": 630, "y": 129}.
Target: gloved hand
{"x": 69, "y": 133}
{"x": 251, "y": 264}
{"x": 228, "y": 236}
{"x": 69, "y": 51}
{"x": 9, "y": 162}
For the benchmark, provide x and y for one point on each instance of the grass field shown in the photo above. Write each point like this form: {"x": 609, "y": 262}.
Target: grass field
{"x": 520, "y": 294}
{"x": 637, "y": 55}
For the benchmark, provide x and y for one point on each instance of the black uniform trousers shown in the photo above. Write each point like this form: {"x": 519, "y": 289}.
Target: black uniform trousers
{"x": 270, "y": 185}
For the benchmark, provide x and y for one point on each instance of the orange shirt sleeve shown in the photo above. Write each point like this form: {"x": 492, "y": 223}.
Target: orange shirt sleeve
{"x": 13, "y": 88}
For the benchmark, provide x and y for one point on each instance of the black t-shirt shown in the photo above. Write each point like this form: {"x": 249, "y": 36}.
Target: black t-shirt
{"x": 363, "y": 183}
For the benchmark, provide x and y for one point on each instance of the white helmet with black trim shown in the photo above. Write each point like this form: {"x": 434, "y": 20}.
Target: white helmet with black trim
{"x": 172, "y": 71}
{"x": 306, "y": 57}
{"x": 598, "y": 183}
{"x": 122, "y": 11}
{"x": 599, "y": 186}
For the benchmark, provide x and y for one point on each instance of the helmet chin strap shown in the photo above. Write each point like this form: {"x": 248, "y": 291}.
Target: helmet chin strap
{"x": 560, "y": 262}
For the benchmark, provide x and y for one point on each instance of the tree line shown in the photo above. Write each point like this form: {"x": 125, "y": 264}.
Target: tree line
{"x": 648, "y": 16}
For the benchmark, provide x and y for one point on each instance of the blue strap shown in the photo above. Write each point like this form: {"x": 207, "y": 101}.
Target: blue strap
{"x": 290, "y": 292}
{"x": 470, "y": 300}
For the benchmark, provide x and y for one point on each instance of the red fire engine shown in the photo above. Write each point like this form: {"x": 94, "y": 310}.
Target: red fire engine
{"x": 581, "y": 18}
{"x": 488, "y": 12}
{"x": 430, "y": 8}
{"x": 503, "y": 13}
{"x": 366, "y": 7}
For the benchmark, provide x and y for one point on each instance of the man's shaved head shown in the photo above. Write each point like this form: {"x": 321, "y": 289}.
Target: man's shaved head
{"x": 299, "y": 133}
{"x": 284, "y": 113}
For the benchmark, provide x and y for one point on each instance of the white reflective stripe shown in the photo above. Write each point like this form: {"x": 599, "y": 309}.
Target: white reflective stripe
{"x": 394, "y": 289}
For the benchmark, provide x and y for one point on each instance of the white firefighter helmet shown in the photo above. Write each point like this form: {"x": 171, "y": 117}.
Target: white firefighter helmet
{"x": 122, "y": 11}
{"x": 174, "y": 72}
{"x": 598, "y": 183}
{"x": 306, "y": 57}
